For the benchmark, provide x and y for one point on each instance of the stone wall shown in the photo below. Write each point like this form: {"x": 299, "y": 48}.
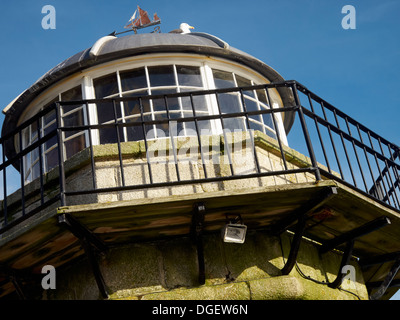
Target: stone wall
{"x": 168, "y": 269}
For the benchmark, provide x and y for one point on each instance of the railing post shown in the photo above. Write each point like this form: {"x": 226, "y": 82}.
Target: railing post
{"x": 22, "y": 174}
{"x": 305, "y": 132}
{"x": 60, "y": 143}
{"x": 4, "y": 185}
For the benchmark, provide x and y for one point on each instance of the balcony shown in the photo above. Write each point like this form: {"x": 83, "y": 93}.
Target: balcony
{"x": 330, "y": 144}
{"x": 325, "y": 148}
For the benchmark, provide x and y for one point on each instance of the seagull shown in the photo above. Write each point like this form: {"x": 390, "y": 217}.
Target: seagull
{"x": 183, "y": 28}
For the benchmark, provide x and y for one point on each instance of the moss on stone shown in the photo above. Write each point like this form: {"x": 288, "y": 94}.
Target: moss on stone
{"x": 231, "y": 291}
{"x": 294, "y": 288}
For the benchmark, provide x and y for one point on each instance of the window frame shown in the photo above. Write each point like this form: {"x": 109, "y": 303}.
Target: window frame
{"x": 151, "y": 90}
{"x": 29, "y": 161}
{"x": 90, "y": 116}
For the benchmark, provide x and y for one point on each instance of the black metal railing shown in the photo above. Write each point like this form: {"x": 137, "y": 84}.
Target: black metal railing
{"x": 363, "y": 159}
{"x": 336, "y": 146}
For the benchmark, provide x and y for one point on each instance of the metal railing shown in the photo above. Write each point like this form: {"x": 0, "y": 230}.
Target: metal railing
{"x": 337, "y": 146}
{"x": 363, "y": 159}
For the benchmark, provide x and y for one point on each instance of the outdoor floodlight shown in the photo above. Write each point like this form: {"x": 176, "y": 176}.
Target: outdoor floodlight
{"x": 234, "y": 231}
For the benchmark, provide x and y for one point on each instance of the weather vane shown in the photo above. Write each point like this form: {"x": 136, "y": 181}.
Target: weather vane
{"x": 140, "y": 19}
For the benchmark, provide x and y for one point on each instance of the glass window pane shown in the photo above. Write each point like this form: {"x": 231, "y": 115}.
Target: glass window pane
{"x": 36, "y": 171}
{"x": 49, "y": 117}
{"x": 34, "y": 132}
{"x": 251, "y": 105}
{"x": 105, "y": 111}
{"x": 268, "y": 120}
{"x": 177, "y": 114}
{"x": 161, "y": 76}
{"x": 223, "y": 79}
{"x": 189, "y": 76}
{"x": 25, "y": 137}
{"x": 243, "y": 82}
{"x": 190, "y": 129}
{"x": 187, "y": 106}
{"x": 132, "y": 108}
{"x": 164, "y": 127}
{"x": 256, "y": 125}
{"x": 177, "y": 128}
{"x": 234, "y": 124}
{"x": 160, "y": 105}
{"x": 134, "y": 133}
{"x": 71, "y": 95}
{"x": 133, "y": 79}
{"x": 108, "y": 135}
{"x": 35, "y": 154}
{"x": 73, "y": 119}
{"x": 205, "y": 127}
{"x": 262, "y": 96}
{"x": 27, "y": 162}
{"x": 105, "y": 86}
{"x": 198, "y": 101}
{"x": 52, "y": 141}
{"x": 51, "y": 159}
{"x": 229, "y": 103}
{"x": 74, "y": 145}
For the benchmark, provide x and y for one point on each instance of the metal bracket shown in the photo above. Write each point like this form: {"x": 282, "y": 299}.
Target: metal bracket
{"x": 290, "y": 262}
{"x": 16, "y": 281}
{"x": 196, "y": 234}
{"x": 345, "y": 261}
{"x": 388, "y": 281}
{"x": 237, "y": 218}
{"x": 18, "y": 287}
{"x": 92, "y": 246}
{"x": 317, "y": 202}
{"x": 355, "y": 233}
{"x": 349, "y": 238}
{"x": 301, "y": 216}
{"x": 15, "y": 277}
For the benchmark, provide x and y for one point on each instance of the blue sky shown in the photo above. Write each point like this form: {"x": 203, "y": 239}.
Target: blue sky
{"x": 355, "y": 70}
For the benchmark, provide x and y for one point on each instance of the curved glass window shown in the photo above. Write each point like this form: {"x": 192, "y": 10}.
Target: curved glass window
{"x": 167, "y": 79}
{"x": 47, "y": 154}
{"x": 157, "y": 80}
{"x": 253, "y": 100}
{"x": 142, "y": 81}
